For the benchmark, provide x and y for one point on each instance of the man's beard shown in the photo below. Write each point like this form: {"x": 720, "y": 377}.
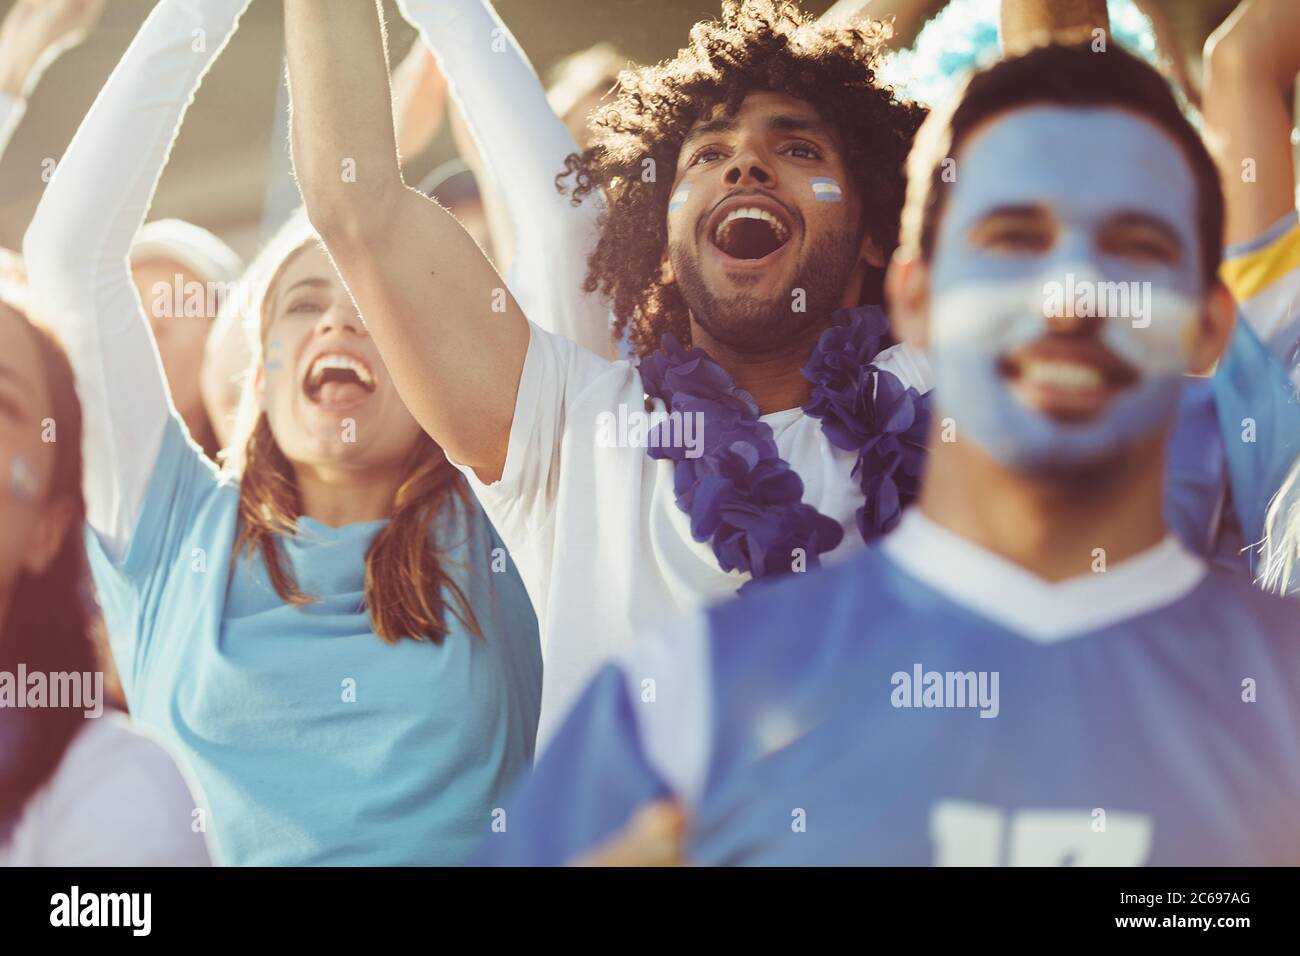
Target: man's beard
{"x": 747, "y": 324}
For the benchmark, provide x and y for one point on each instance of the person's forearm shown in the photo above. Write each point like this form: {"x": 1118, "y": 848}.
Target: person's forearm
{"x": 18, "y": 73}
{"x": 343, "y": 142}
{"x": 501, "y": 99}
{"x": 77, "y": 246}
{"x": 522, "y": 146}
{"x": 449, "y": 335}
{"x": 1260, "y": 39}
{"x": 34, "y": 33}
{"x": 1026, "y": 23}
{"x": 12, "y": 109}
{"x": 102, "y": 188}
{"x": 1251, "y": 63}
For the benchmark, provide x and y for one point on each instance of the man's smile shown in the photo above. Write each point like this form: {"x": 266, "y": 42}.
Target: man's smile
{"x": 1070, "y": 378}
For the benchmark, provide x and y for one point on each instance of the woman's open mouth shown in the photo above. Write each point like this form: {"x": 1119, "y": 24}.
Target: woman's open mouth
{"x": 750, "y": 232}
{"x": 338, "y": 380}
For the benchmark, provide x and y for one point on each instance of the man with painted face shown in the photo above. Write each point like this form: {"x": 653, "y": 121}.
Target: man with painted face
{"x": 753, "y": 186}
{"x": 1031, "y": 669}
{"x": 740, "y": 219}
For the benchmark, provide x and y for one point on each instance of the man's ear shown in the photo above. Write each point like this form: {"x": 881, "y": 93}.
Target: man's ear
{"x": 666, "y": 274}
{"x": 907, "y": 290}
{"x": 870, "y": 252}
{"x": 1218, "y": 317}
{"x": 54, "y": 524}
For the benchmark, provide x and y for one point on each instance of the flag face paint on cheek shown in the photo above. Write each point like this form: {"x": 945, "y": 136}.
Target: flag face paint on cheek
{"x": 678, "y": 198}
{"x": 826, "y": 189}
{"x": 1064, "y": 174}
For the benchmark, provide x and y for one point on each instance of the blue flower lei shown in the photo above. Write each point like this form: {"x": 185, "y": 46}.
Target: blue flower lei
{"x": 742, "y": 494}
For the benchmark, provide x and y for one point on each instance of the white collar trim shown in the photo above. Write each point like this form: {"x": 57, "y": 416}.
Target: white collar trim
{"x": 1044, "y": 611}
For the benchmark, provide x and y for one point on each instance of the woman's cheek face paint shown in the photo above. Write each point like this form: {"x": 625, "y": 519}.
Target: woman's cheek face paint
{"x": 825, "y": 189}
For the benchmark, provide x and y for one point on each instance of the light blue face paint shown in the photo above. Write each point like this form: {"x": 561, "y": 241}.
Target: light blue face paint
{"x": 273, "y": 355}
{"x": 1084, "y": 167}
{"x": 678, "y": 198}
{"x": 22, "y": 479}
{"x": 826, "y": 189}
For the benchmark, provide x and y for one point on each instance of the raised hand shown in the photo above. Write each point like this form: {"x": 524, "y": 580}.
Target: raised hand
{"x": 1251, "y": 63}
{"x": 655, "y": 836}
{"x": 35, "y": 33}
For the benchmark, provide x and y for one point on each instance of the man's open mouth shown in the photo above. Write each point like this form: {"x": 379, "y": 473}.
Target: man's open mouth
{"x": 750, "y": 232}
{"x": 337, "y": 378}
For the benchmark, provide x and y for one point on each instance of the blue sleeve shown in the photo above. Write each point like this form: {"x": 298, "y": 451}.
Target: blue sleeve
{"x": 588, "y": 783}
{"x": 1255, "y": 400}
{"x": 172, "y": 535}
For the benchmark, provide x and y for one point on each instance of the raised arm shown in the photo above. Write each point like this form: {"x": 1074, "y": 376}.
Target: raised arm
{"x": 1027, "y": 23}
{"x": 1251, "y": 63}
{"x": 33, "y": 35}
{"x": 1251, "y": 66}
{"x": 12, "y": 109}
{"x": 77, "y": 246}
{"x": 450, "y": 334}
{"x": 523, "y": 145}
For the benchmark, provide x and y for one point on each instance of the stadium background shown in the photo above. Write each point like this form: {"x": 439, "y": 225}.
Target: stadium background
{"x": 229, "y": 149}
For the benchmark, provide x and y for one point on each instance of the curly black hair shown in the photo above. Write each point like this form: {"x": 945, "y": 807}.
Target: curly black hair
{"x": 756, "y": 45}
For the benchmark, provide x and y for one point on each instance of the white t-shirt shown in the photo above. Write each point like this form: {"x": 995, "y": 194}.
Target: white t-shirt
{"x": 599, "y": 539}
{"x": 116, "y": 799}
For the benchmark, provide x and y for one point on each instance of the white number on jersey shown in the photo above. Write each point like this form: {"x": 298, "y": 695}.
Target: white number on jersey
{"x": 976, "y": 834}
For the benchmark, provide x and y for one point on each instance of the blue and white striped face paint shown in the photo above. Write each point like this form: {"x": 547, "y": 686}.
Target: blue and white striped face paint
{"x": 678, "y": 199}
{"x": 826, "y": 189}
{"x": 1039, "y": 215}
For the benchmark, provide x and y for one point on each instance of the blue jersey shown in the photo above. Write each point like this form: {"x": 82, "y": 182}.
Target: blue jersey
{"x": 929, "y": 703}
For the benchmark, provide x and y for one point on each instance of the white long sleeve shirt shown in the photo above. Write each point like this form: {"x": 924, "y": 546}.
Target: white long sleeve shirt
{"x": 78, "y": 243}
{"x": 523, "y": 145}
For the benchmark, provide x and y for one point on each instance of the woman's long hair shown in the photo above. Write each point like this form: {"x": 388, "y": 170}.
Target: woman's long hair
{"x": 47, "y": 626}
{"x": 407, "y": 589}
{"x": 1281, "y": 547}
